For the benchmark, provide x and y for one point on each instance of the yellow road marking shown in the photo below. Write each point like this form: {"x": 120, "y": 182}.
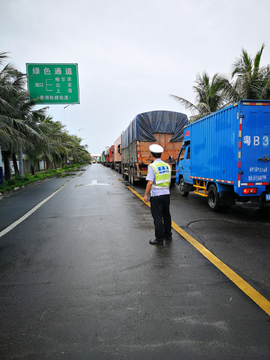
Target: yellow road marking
{"x": 236, "y": 279}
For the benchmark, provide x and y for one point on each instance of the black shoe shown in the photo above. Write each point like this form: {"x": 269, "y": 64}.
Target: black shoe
{"x": 166, "y": 237}
{"x": 155, "y": 242}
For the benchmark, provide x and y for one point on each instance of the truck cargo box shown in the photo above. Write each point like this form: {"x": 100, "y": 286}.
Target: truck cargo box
{"x": 155, "y": 127}
{"x": 230, "y": 150}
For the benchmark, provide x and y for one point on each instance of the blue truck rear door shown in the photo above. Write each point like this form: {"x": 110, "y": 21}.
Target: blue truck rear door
{"x": 255, "y": 147}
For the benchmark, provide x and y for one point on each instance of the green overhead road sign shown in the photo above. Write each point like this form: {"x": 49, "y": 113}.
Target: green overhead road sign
{"x": 53, "y": 83}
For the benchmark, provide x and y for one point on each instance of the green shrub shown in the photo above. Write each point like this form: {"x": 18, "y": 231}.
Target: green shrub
{"x": 19, "y": 181}
{"x": 11, "y": 182}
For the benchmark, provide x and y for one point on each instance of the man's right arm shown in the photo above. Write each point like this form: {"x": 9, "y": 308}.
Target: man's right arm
{"x": 147, "y": 190}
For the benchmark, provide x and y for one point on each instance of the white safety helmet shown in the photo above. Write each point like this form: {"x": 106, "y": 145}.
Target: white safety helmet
{"x": 156, "y": 149}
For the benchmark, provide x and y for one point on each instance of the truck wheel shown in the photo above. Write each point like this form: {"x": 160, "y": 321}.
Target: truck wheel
{"x": 182, "y": 186}
{"x": 213, "y": 200}
{"x": 123, "y": 172}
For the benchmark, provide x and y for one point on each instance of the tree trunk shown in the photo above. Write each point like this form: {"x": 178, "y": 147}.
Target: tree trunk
{"x": 63, "y": 160}
{"x": 16, "y": 169}
{"x": 5, "y": 156}
{"x": 33, "y": 163}
{"x": 47, "y": 162}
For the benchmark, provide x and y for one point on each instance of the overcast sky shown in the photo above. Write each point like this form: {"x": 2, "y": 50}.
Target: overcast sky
{"x": 131, "y": 54}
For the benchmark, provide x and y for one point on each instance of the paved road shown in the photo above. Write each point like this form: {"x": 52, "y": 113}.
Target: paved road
{"x": 80, "y": 281}
{"x": 240, "y": 238}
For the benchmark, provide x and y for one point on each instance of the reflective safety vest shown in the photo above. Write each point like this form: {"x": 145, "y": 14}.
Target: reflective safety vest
{"x": 163, "y": 174}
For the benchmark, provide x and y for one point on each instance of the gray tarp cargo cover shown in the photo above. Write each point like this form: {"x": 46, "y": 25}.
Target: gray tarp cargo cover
{"x": 144, "y": 125}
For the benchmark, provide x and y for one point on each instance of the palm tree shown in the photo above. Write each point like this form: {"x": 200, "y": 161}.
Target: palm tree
{"x": 76, "y": 150}
{"x": 8, "y": 88}
{"x": 209, "y": 96}
{"x": 23, "y": 109}
{"x": 250, "y": 80}
{"x": 49, "y": 145}
{"x": 60, "y": 145}
{"x": 10, "y": 135}
{"x": 17, "y": 118}
{"x": 265, "y": 89}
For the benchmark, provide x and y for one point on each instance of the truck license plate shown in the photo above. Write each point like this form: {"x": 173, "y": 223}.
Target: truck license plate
{"x": 267, "y": 197}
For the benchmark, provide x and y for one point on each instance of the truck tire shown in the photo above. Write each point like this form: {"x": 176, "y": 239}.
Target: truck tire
{"x": 213, "y": 198}
{"x": 182, "y": 187}
{"x": 123, "y": 172}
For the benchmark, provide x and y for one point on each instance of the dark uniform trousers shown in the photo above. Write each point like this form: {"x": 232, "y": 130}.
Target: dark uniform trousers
{"x": 160, "y": 209}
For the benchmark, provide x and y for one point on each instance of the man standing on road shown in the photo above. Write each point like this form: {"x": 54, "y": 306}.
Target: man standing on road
{"x": 159, "y": 180}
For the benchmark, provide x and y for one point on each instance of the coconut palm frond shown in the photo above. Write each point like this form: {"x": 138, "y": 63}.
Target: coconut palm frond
{"x": 187, "y": 104}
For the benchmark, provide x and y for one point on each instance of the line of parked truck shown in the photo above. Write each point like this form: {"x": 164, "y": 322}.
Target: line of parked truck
{"x": 130, "y": 154}
{"x": 224, "y": 157}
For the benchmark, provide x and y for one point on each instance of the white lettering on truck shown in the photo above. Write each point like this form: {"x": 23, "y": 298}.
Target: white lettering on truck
{"x": 256, "y": 140}
{"x": 247, "y": 140}
{"x": 265, "y": 140}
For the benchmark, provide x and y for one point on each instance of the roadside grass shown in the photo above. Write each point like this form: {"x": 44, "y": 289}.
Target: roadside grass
{"x": 20, "y": 181}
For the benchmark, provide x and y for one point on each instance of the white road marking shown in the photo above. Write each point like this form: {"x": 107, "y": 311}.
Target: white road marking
{"x": 94, "y": 182}
{"x": 25, "y": 216}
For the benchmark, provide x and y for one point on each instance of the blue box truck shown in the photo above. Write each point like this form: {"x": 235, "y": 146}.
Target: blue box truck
{"x": 226, "y": 156}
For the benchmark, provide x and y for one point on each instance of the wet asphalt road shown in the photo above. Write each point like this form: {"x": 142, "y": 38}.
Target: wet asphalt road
{"x": 80, "y": 281}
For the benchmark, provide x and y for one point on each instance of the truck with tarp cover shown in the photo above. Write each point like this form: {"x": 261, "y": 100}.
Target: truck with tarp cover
{"x": 225, "y": 156}
{"x": 155, "y": 127}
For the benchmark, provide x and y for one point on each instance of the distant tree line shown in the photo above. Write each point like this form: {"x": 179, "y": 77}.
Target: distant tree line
{"x": 22, "y": 127}
{"x": 248, "y": 80}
